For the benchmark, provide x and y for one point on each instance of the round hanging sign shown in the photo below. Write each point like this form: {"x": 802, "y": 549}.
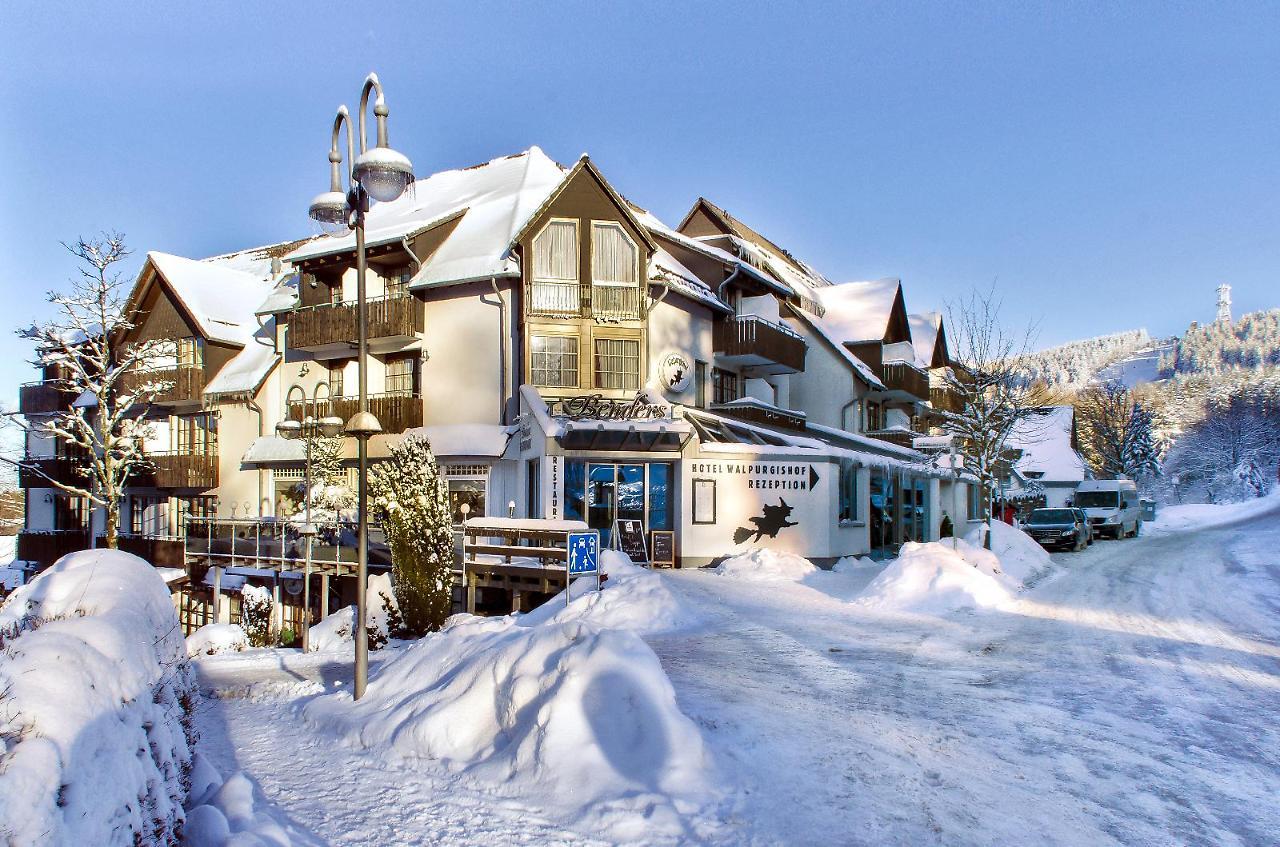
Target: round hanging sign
{"x": 676, "y": 371}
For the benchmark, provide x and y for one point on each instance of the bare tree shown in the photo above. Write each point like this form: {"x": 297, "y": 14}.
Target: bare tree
{"x": 108, "y": 381}
{"x": 1115, "y": 431}
{"x": 991, "y": 395}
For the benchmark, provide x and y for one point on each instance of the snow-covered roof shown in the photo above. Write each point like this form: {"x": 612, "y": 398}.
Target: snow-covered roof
{"x": 660, "y": 230}
{"x": 260, "y": 261}
{"x": 491, "y": 203}
{"x": 1045, "y": 442}
{"x": 667, "y": 270}
{"x": 483, "y": 440}
{"x": 859, "y": 367}
{"x": 858, "y": 311}
{"x": 924, "y": 336}
{"x": 246, "y": 371}
{"x": 220, "y": 299}
{"x": 282, "y": 298}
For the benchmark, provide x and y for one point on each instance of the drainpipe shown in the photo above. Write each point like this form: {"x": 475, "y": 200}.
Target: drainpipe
{"x": 844, "y": 409}
{"x": 256, "y": 409}
{"x": 502, "y": 347}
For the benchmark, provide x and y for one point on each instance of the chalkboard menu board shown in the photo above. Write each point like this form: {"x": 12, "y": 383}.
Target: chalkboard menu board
{"x": 630, "y": 539}
{"x": 663, "y": 544}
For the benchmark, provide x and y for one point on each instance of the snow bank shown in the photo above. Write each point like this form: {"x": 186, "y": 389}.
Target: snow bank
{"x": 214, "y": 638}
{"x": 633, "y": 598}
{"x": 337, "y": 631}
{"x": 1020, "y": 556}
{"x": 935, "y": 579}
{"x": 223, "y": 813}
{"x": 1189, "y": 516}
{"x": 764, "y": 565}
{"x": 97, "y": 697}
{"x": 334, "y": 632}
{"x": 569, "y": 715}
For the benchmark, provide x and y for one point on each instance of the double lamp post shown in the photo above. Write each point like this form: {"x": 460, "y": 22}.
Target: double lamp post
{"x": 381, "y": 174}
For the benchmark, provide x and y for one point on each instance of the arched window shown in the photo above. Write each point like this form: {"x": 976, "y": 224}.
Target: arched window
{"x": 615, "y": 272}
{"x": 555, "y": 268}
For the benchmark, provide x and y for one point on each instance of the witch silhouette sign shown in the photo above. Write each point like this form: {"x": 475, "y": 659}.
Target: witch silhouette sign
{"x": 770, "y": 523}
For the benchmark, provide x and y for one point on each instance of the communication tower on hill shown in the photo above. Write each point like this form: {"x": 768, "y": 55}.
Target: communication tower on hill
{"x": 1224, "y": 304}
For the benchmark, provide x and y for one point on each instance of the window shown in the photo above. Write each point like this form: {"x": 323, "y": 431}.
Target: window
{"x": 555, "y": 268}
{"x": 704, "y": 501}
{"x": 466, "y": 485}
{"x": 149, "y": 515}
{"x": 402, "y": 375}
{"x": 975, "y": 501}
{"x": 70, "y": 512}
{"x": 396, "y": 282}
{"x": 336, "y": 370}
{"x": 554, "y": 361}
{"x": 335, "y": 294}
{"x": 875, "y": 417}
{"x": 615, "y": 289}
{"x": 196, "y": 435}
{"x": 617, "y": 363}
{"x": 533, "y": 488}
{"x": 724, "y": 386}
{"x": 848, "y": 490}
{"x": 700, "y": 384}
{"x": 190, "y": 352}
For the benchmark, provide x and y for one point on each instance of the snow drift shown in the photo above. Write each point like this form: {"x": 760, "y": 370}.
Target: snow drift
{"x": 942, "y": 576}
{"x": 561, "y": 706}
{"x": 97, "y": 706}
{"x": 214, "y": 638}
{"x": 764, "y": 565}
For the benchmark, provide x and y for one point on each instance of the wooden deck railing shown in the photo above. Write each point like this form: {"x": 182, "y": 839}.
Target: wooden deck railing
{"x": 47, "y": 546}
{"x": 42, "y": 472}
{"x": 179, "y": 469}
{"x": 186, "y": 382}
{"x": 555, "y": 298}
{"x": 901, "y": 376}
{"x": 760, "y": 343}
{"x": 41, "y": 398}
{"x": 337, "y": 323}
{"x": 396, "y": 412}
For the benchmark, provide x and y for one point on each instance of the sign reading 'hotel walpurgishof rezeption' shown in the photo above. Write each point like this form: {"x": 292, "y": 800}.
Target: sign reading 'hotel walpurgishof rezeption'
{"x": 765, "y": 476}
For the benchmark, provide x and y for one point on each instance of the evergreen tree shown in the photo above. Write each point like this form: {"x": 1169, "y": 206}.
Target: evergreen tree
{"x": 1141, "y": 458}
{"x": 412, "y": 503}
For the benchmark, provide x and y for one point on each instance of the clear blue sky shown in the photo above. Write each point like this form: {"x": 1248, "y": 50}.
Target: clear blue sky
{"x": 1108, "y": 167}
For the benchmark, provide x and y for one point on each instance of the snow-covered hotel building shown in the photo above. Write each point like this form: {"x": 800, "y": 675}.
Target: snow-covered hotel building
{"x": 567, "y": 354}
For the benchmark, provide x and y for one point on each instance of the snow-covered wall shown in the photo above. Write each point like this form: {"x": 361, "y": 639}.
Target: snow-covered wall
{"x": 97, "y": 701}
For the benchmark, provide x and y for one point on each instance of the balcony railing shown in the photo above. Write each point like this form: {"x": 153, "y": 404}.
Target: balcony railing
{"x": 762, "y": 414}
{"x": 43, "y": 472}
{"x": 277, "y": 543}
{"x": 615, "y": 302}
{"x": 47, "y": 546}
{"x": 178, "y": 469}
{"x": 944, "y": 398}
{"x": 900, "y": 437}
{"x": 396, "y": 412}
{"x": 554, "y": 298}
{"x": 759, "y": 346}
{"x": 41, "y": 398}
{"x": 186, "y": 382}
{"x": 338, "y": 323}
{"x": 905, "y": 378}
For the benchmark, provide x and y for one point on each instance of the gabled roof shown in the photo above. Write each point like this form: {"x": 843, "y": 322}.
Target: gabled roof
{"x": 248, "y": 369}
{"x": 740, "y": 229}
{"x": 662, "y": 232}
{"x": 584, "y": 164}
{"x": 665, "y": 269}
{"x": 929, "y": 340}
{"x": 859, "y": 367}
{"x": 858, "y": 312}
{"x": 219, "y": 300}
{"x": 1046, "y": 441}
{"x": 491, "y": 203}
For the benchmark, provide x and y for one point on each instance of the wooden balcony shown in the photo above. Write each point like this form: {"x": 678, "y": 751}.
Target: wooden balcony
{"x": 42, "y": 398}
{"x": 759, "y": 347}
{"x": 396, "y": 412}
{"x": 313, "y": 327}
{"x": 945, "y": 399}
{"x": 179, "y": 469}
{"x": 44, "y": 472}
{"x": 47, "y": 546}
{"x": 762, "y": 414}
{"x": 905, "y": 380}
{"x": 900, "y": 437}
{"x": 186, "y": 382}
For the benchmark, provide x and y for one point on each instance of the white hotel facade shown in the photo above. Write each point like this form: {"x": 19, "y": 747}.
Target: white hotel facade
{"x": 567, "y": 354}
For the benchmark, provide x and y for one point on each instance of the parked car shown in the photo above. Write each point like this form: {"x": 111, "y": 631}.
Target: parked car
{"x": 1064, "y": 528}
{"x": 1112, "y": 506}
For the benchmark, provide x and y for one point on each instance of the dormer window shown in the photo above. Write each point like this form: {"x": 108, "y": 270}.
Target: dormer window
{"x": 615, "y": 272}
{"x": 555, "y": 269}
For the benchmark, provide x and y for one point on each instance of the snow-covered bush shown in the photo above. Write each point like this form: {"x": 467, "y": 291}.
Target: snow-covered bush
{"x": 256, "y": 608}
{"x": 214, "y": 638}
{"x": 96, "y": 701}
{"x": 412, "y": 503}
{"x": 336, "y": 632}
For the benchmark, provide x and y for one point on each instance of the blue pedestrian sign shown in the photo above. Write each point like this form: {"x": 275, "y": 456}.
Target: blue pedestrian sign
{"x": 584, "y": 553}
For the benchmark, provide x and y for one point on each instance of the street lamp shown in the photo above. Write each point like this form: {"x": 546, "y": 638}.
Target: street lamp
{"x": 307, "y": 428}
{"x": 383, "y": 174}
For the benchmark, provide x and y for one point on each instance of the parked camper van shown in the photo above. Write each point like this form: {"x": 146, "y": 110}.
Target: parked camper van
{"x": 1112, "y": 506}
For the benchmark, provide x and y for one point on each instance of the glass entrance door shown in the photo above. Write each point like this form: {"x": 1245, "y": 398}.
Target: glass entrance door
{"x": 614, "y": 492}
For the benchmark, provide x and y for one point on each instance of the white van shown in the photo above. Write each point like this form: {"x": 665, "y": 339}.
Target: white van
{"x": 1112, "y": 506}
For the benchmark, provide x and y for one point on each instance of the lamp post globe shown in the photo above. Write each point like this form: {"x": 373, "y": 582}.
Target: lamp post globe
{"x": 383, "y": 173}
{"x": 289, "y": 429}
{"x": 329, "y": 208}
{"x": 330, "y": 426}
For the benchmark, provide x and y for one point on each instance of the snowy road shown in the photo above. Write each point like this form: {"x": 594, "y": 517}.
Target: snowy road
{"x": 1132, "y": 698}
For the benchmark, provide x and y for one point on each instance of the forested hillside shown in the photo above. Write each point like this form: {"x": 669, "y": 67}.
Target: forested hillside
{"x": 1251, "y": 342}
{"x": 1076, "y": 364}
